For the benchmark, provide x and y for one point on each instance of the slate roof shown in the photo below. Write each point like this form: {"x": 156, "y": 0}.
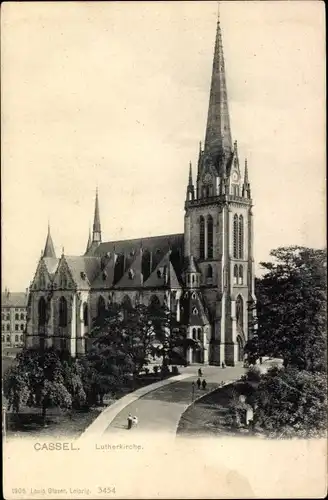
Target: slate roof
{"x": 154, "y": 244}
{"x": 192, "y": 300}
{"x": 14, "y": 299}
{"x": 83, "y": 265}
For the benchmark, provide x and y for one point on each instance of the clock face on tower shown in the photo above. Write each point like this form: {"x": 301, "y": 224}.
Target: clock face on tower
{"x": 235, "y": 176}
{"x": 207, "y": 178}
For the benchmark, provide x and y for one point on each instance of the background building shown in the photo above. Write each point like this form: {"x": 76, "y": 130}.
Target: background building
{"x": 13, "y": 318}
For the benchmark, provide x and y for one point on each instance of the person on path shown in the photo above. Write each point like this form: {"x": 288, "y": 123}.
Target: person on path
{"x": 130, "y": 420}
{"x": 135, "y": 420}
{"x": 200, "y": 374}
{"x": 198, "y": 383}
{"x": 223, "y": 364}
{"x": 204, "y": 384}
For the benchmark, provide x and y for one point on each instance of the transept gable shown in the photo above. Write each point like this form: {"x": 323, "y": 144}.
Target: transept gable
{"x": 63, "y": 278}
{"x": 42, "y": 279}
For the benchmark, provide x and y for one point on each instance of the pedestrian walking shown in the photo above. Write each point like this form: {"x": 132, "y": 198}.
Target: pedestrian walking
{"x": 198, "y": 383}
{"x": 204, "y": 384}
{"x": 130, "y": 421}
{"x": 223, "y": 364}
{"x": 200, "y": 374}
{"x": 135, "y": 420}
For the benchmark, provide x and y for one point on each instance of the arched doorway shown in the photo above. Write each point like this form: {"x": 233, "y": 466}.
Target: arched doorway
{"x": 240, "y": 352}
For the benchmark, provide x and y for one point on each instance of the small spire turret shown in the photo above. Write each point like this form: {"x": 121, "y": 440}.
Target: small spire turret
{"x": 49, "y": 249}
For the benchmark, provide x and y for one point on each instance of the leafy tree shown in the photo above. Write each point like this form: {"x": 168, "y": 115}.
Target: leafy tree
{"x": 291, "y": 402}
{"x": 291, "y": 308}
{"x": 43, "y": 380}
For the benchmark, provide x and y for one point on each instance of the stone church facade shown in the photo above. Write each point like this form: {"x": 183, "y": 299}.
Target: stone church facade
{"x": 205, "y": 275}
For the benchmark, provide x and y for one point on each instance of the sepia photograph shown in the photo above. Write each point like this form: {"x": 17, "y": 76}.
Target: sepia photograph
{"x": 164, "y": 281}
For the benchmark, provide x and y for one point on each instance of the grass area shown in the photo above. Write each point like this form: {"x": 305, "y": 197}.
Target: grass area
{"x": 59, "y": 424}
{"x": 208, "y": 415}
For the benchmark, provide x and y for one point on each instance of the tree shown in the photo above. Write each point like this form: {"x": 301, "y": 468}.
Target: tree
{"x": 292, "y": 402}
{"x": 291, "y": 308}
{"x": 42, "y": 379}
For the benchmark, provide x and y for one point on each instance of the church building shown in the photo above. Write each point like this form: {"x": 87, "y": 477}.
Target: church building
{"x": 205, "y": 275}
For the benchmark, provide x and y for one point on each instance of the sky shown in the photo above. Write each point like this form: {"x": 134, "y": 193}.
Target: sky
{"x": 115, "y": 95}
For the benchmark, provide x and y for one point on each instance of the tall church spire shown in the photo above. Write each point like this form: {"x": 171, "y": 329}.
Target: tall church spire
{"x": 96, "y": 235}
{"x": 49, "y": 249}
{"x": 218, "y": 134}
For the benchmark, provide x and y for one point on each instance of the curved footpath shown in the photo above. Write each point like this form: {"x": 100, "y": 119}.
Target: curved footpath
{"x": 159, "y": 406}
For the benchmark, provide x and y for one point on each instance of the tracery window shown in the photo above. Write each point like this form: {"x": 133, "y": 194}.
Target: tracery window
{"x": 210, "y": 237}
{"x": 235, "y": 236}
{"x": 241, "y": 238}
{"x": 202, "y": 237}
{"x": 62, "y": 312}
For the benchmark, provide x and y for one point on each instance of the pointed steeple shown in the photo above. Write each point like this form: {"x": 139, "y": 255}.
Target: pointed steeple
{"x": 246, "y": 185}
{"x": 190, "y": 187}
{"x": 218, "y": 134}
{"x": 89, "y": 242}
{"x": 49, "y": 249}
{"x": 96, "y": 235}
{"x": 190, "y": 175}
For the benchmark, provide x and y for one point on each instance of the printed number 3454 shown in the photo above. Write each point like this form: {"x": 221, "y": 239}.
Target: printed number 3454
{"x": 106, "y": 489}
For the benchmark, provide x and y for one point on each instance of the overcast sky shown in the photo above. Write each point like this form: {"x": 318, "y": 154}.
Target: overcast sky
{"x": 116, "y": 95}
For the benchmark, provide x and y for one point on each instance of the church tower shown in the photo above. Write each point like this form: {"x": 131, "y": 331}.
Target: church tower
{"x": 219, "y": 226}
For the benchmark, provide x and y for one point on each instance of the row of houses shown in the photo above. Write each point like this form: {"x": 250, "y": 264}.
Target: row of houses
{"x": 13, "y": 318}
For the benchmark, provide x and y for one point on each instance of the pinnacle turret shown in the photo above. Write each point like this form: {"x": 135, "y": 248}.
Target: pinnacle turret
{"x": 96, "y": 234}
{"x": 49, "y": 249}
{"x": 190, "y": 187}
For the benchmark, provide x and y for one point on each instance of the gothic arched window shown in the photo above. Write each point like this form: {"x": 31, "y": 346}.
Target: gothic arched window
{"x": 194, "y": 333}
{"x": 209, "y": 271}
{"x": 240, "y": 312}
{"x": 241, "y": 238}
{"x": 101, "y": 306}
{"x": 241, "y": 275}
{"x": 210, "y": 237}
{"x": 154, "y": 301}
{"x": 42, "y": 282}
{"x": 202, "y": 237}
{"x": 42, "y": 311}
{"x": 62, "y": 312}
{"x": 127, "y": 306}
{"x": 235, "y": 274}
{"x": 85, "y": 314}
{"x": 235, "y": 236}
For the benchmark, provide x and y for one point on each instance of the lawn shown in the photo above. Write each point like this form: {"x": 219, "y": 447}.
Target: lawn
{"x": 208, "y": 415}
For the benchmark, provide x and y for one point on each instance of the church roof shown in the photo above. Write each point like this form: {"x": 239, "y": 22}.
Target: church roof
{"x": 83, "y": 269}
{"x": 159, "y": 244}
{"x": 194, "y": 313}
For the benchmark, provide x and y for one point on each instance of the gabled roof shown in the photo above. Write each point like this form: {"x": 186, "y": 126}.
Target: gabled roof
{"x": 81, "y": 266}
{"x": 14, "y": 299}
{"x": 132, "y": 277}
{"x": 191, "y": 301}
